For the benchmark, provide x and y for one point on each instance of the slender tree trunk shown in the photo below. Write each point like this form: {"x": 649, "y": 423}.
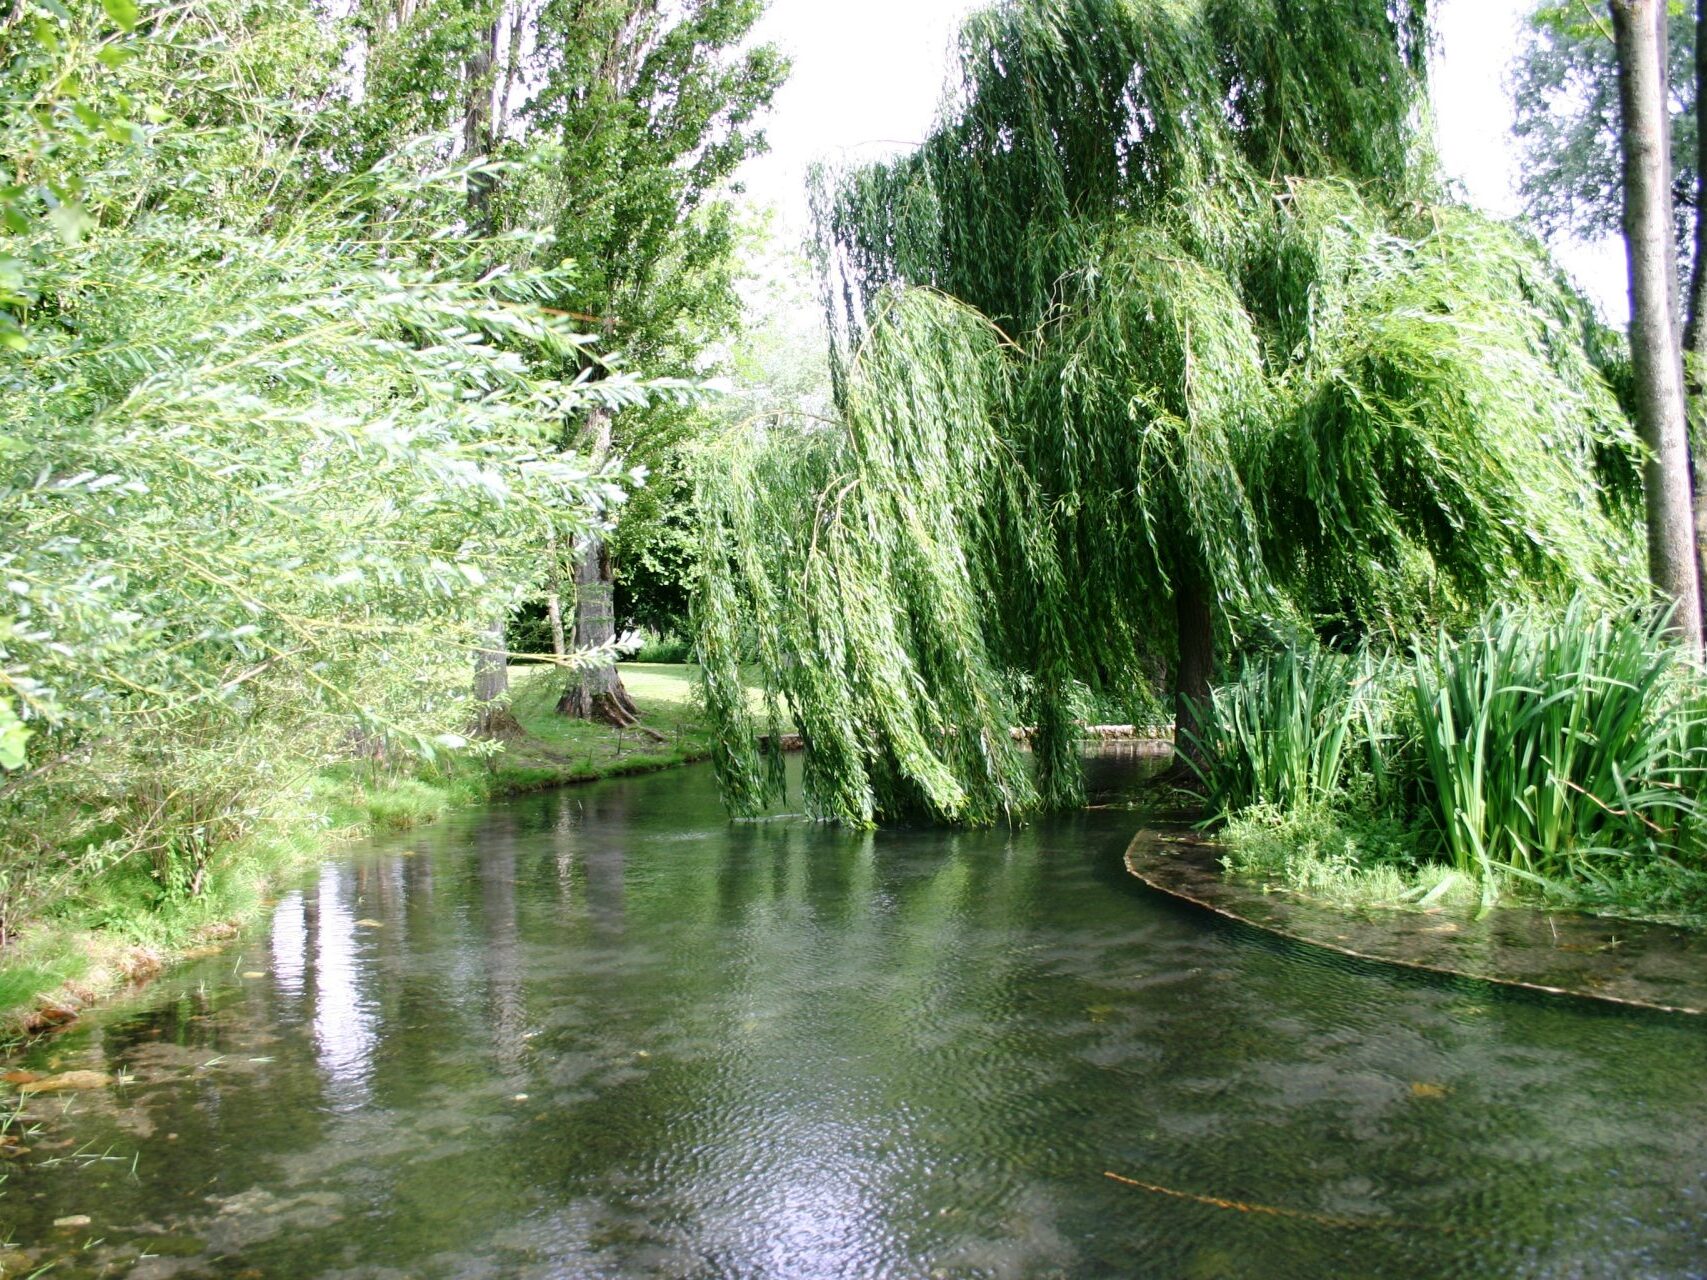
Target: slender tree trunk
{"x": 1195, "y": 670}
{"x": 478, "y": 135}
{"x": 554, "y": 597}
{"x": 1654, "y": 347}
{"x": 492, "y": 660}
{"x": 1695, "y": 328}
{"x": 596, "y": 693}
{"x": 1694, "y": 331}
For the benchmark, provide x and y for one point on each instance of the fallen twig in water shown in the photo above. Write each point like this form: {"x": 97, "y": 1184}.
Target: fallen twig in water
{"x": 1304, "y": 1215}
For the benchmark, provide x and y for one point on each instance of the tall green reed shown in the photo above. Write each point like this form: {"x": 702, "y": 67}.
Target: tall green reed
{"x": 1284, "y": 732}
{"x": 1550, "y": 747}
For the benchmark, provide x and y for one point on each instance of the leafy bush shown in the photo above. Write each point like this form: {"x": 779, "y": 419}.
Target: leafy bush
{"x": 274, "y": 446}
{"x": 663, "y": 648}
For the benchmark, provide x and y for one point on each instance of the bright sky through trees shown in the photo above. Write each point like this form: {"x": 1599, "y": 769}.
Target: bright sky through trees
{"x": 867, "y": 76}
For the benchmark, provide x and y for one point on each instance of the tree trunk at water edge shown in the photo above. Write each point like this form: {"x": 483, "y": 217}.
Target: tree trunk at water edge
{"x": 1654, "y": 350}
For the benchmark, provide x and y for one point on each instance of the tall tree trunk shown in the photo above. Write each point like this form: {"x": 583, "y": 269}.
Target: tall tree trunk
{"x": 1654, "y": 350}
{"x": 554, "y": 596}
{"x": 1195, "y": 620}
{"x": 596, "y": 693}
{"x": 1695, "y": 327}
{"x": 492, "y": 660}
{"x": 478, "y": 134}
{"x": 492, "y": 718}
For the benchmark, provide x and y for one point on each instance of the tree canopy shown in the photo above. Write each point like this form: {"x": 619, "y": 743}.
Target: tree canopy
{"x": 1163, "y": 341}
{"x": 276, "y": 438}
{"x": 1565, "y": 88}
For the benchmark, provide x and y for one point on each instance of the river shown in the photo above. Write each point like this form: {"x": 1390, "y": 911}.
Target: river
{"x": 605, "y": 1032}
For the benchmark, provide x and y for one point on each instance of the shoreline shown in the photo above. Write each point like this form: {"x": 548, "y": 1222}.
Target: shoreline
{"x": 60, "y": 966}
{"x": 1609, "y": 960}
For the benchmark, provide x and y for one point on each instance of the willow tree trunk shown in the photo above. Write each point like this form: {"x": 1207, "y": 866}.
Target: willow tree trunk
{"x": 1654, "y": 351}
{"x": 596, "y": 693}
{"x": 1195, "y": 621}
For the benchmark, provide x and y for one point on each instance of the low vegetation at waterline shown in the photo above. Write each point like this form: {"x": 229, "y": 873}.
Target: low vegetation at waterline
{"x": 92, "y": 921}
{"x": 1558, "y": 758}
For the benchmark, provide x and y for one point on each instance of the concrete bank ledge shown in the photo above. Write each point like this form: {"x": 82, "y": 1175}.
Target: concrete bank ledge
{"x": 1623, "y": 962}
{"x": 1150, "y": 739}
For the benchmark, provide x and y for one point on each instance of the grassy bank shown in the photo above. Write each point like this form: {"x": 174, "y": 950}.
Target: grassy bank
{"x": 122, "y": 925}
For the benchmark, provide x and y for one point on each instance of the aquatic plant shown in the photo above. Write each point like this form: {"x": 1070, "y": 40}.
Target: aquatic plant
{"x": 1552, "y": 746}
{"x": 1547, "y": 748}
{"x": 1282, "y": 734}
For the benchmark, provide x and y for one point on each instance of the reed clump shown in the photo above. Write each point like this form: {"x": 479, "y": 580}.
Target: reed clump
{"x": 1558, "y": 756}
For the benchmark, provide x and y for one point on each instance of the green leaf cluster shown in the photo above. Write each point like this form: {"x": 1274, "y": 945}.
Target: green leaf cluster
{"x": 274, "y": 447}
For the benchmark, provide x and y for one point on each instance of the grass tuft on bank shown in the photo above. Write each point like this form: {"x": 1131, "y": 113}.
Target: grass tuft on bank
{"x": 94, "y": 933}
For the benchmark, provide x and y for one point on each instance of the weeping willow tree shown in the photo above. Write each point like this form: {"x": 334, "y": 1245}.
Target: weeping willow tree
{"x": 1162, "y": 344}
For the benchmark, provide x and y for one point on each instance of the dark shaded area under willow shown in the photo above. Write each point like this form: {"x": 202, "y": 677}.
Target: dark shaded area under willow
{"x": 1161, "y": 345}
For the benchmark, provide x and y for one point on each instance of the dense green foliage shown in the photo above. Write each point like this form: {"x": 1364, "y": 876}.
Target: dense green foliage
{"x": 1160, "y": 344}
{"x": 1285, "y": 733}
{"x": 274, "y": 440}
{"x": 616, "y": 126}
{"x": 1531, "y": 752}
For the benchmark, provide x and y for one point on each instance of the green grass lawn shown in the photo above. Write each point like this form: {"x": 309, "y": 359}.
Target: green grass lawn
{"x": 557, "y": 749}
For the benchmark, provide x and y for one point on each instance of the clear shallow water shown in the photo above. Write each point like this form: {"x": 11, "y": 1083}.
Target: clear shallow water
{"x": 604, "y": 1032}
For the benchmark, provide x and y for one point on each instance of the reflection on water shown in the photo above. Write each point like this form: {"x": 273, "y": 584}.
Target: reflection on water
{"x": 605, "y": 1033}
{"x": 344, "y": 1020}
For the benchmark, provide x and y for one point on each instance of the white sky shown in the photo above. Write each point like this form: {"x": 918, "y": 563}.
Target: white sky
{"x": 867, "y": 75}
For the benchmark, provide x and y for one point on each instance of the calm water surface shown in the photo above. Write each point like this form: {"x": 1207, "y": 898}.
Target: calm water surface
{"x": 605, "y": 1033}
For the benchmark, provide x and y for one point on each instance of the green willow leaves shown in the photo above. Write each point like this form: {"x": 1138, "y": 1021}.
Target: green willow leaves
{"x": 1164, "y": 341}
{"x": 275, "y": 443}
